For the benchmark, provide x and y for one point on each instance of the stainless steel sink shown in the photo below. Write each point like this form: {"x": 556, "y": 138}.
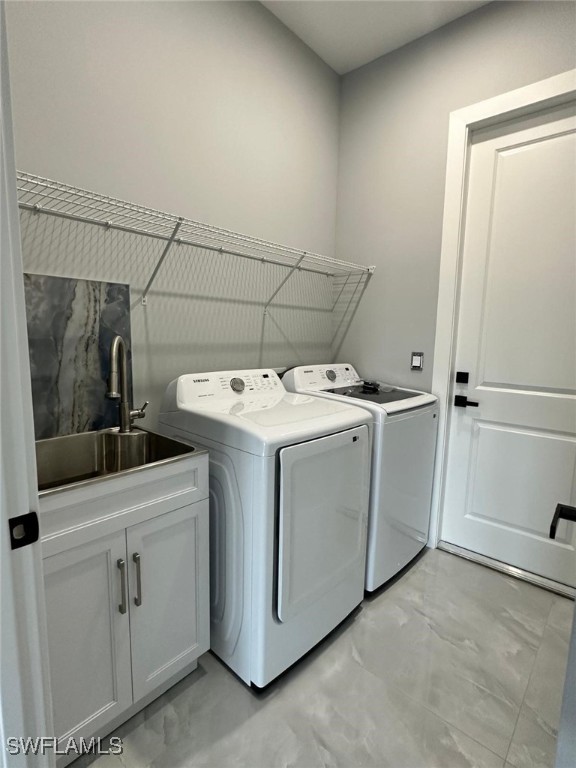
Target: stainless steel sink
{"x": 91, "y": 456}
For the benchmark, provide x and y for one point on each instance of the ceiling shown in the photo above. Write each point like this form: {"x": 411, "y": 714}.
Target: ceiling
{"x": 347, "y": 34}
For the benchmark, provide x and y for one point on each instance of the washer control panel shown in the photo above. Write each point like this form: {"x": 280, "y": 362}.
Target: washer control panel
{"x": 229, "y": 385}
{"x": 312, "y": 378}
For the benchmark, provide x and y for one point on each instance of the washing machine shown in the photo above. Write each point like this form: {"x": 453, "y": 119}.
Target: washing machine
{"x": 289, "y": 494}
{"x": 404, "y": 428}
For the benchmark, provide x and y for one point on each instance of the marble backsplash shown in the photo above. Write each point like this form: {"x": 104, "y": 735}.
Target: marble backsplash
{"x": 71, "y": 324}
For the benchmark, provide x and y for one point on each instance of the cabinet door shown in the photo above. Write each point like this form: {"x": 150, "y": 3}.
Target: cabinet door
{"x": 88, "y": 635}
{"x": 169, "y": 594}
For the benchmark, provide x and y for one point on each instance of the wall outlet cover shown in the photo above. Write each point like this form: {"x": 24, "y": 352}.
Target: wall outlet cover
{"x": 417, "y": 361}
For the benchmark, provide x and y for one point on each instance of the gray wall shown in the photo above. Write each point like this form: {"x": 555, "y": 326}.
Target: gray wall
{"x": 394, "y": 132}
{"x": 214, "y": 110}
{"x": 211, "y": 110}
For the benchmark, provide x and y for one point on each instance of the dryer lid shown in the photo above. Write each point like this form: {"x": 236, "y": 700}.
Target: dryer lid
{"x": 290, "y": 409}
{"x": 258, "y": 417}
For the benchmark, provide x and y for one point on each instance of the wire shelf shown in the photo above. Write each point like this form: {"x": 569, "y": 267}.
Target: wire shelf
{"x": 298, "y": 306}
{"x": 39, "y": 194}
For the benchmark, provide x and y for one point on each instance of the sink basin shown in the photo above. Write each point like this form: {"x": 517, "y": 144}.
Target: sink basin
{"x": 91, "y": 456}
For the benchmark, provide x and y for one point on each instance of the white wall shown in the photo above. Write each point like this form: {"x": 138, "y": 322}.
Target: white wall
{"x": 394, "y": 131}
{"x": 211, "y": 110}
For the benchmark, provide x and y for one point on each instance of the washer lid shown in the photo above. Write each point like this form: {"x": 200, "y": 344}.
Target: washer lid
{"x": 258, "y": 418}
{"x": 342, "y": 382}
{"x": 374, "y": 393}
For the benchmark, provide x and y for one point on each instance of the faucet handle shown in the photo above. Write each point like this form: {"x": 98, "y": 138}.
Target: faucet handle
{"x": 139, "y": 412}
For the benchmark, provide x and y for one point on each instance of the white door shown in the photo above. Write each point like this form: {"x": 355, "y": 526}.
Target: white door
{"x": 169, "y": 594}
{"x": 88, "y": 635}
{"x": 512, "y": 457}
{"x": 324, "y": 486}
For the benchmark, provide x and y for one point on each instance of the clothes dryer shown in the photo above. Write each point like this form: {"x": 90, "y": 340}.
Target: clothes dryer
{"x": 404, "y": 428}
{"x": 289, "y": 491}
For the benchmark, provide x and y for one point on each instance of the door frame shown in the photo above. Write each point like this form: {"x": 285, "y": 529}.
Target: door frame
{"x": 551, "y": 92}
{"x": 25, "y": 702}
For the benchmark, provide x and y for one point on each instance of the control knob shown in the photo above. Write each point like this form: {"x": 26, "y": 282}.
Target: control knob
{"x": 331, "y": 375}
{"x": 237, "y": 384}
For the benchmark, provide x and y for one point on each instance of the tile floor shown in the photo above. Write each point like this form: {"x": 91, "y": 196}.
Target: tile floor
{"x": 453, "y": 665}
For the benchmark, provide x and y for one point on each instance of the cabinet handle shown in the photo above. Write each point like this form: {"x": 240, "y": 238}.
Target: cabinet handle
{"x": 138, "y": 598}
{"x": 122, "y": 568}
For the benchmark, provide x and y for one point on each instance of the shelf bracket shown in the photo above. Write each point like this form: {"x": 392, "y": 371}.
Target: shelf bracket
{"x": 363, "y": 281}
{"x": 160, "y": 261}
{"x": 283, "y": 283}
{"x": 271, "y": 299}
{"x": 345, "y": 283}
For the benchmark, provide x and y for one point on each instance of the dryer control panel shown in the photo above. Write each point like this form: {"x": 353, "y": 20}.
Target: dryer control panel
{"x": 315, "y": 378}
{"x": 229, "y": 386}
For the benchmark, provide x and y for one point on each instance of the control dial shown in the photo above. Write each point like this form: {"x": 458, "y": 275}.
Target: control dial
{"x": 331, "y": 375}
{"x": 237, "y": 384}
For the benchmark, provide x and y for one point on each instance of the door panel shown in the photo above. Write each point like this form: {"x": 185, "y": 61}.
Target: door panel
{"x": 531, "y": 268}
{"x": 502, "y": 488}
{"x": 88, "y": 637}
{"x": 513, "y": 458}
{"x": 170, "y": 625}
{"x": 324, "y": 487}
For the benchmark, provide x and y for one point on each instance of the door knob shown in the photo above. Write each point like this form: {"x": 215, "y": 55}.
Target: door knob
{"x": 563, "y": 512}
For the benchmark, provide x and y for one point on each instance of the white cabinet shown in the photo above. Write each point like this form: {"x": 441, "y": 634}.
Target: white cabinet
{"x": 127, "y": 598}
{"x": 88, "y": 638}
{"x": 167, "y": 556}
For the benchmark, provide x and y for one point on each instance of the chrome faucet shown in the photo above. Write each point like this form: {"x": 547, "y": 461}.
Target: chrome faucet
{"x": 118, "y": 364}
